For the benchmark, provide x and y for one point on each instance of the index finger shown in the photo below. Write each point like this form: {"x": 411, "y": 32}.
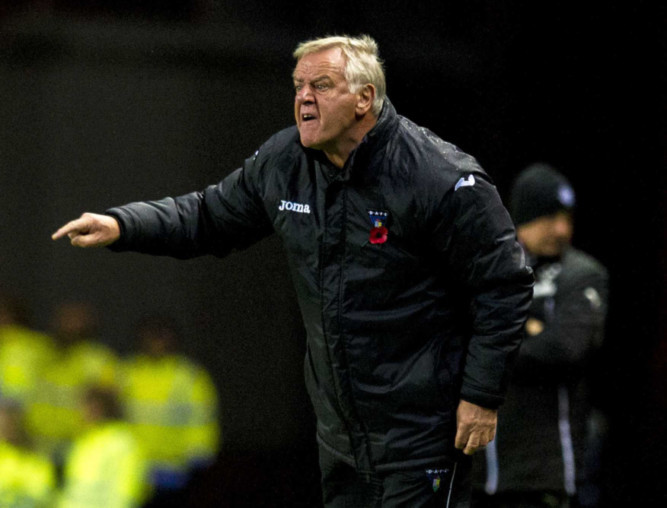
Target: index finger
{"x": 75, "y": 225}
{"x": 472, "y": 445}
{"x": 461, "y": 438}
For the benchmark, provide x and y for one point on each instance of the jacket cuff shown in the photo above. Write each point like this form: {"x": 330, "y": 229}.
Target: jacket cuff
{"x": 118, "y": 245}
{"x": 481, "y": 398}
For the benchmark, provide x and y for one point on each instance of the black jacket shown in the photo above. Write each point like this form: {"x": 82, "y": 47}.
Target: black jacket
{"x": 541, "y": 440}
{"x": 390, "y": 324}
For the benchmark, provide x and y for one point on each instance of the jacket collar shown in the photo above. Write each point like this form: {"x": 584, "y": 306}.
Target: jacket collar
{"x": 374, "y": 141}
{"x": 385, "y": 126}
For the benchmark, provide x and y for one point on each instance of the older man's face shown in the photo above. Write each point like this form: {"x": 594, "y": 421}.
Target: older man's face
{"x": 324, "y": 107}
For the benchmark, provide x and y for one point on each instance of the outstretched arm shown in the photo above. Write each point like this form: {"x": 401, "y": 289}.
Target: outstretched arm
{"x": 90, "y": 230}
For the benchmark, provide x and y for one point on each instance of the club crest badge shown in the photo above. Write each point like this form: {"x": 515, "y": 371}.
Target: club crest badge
{"x": 435, "y": 477}
{"x": 379, "y": 232}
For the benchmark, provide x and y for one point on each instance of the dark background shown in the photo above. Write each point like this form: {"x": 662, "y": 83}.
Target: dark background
{"x": 108, "y": 102}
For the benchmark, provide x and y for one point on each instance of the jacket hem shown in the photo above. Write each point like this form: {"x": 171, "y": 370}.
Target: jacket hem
{"x": 390, "y": 466}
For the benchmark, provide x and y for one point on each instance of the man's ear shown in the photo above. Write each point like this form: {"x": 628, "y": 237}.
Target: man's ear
{"x": 365, "y": 98}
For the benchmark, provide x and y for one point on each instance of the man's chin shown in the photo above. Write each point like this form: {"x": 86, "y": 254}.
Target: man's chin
{"x": 310, "y": 143}
{"x": 554, "y": 251}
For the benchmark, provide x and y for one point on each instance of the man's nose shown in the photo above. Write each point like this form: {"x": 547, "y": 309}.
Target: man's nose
{"x": 305, "y": 94}
{"x": 562, "y": 226}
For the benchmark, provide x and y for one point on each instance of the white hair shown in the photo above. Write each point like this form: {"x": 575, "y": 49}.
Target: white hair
{"x": 362, "y": 63}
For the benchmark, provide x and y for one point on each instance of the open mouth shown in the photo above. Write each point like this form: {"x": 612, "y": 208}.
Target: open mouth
{"x": 307, "y": 117}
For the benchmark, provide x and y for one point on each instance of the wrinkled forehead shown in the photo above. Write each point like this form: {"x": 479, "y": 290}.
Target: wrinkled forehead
{"x": 328, "y": 62}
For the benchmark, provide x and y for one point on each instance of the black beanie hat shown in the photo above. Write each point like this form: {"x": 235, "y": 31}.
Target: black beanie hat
{"x": 539, "y": 190}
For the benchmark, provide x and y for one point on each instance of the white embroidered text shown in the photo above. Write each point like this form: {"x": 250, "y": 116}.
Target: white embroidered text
{"x": 293, "y": 207}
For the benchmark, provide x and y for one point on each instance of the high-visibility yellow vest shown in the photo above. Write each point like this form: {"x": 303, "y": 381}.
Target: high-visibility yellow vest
{"x": 55, "y": 415}
{"x": 23, "y": 354}
{"x": 27, "y": 479}
{"x": 106, "y": 468}
{"x": 172, "y": 405}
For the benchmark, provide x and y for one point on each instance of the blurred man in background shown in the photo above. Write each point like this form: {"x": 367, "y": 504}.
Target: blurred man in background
{"x": 538, "y": 456}
{"x": 80, "y": 360}
{"x": 27, "y": 479}
{"x": 106, "y": 466}
{"x": 23, "y": 352}
{"x": 172, "y": 406}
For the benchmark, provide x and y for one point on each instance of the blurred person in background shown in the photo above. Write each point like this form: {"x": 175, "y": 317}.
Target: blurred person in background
{"x": 172, "y": 405}
{"x": 24, "y": 351}
{"x": 106, "y": 467}
{"x": 538, "y": 458}
{"x": 55, "y": 415}
{"x": 27, "y": 478}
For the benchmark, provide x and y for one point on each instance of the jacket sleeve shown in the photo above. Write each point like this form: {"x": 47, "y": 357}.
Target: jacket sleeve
{"x": 217, "y": 220}
{"x": 572, "y": 327}
{"x": 477, "y": 241}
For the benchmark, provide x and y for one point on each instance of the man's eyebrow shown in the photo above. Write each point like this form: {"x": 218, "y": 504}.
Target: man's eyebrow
{"x": 316, "y": 79}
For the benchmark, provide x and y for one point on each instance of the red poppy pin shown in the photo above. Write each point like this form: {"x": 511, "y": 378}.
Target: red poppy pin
{"x": 379, "y": 233}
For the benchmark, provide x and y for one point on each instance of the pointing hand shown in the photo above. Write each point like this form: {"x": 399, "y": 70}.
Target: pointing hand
{"x": 90, "y": 230}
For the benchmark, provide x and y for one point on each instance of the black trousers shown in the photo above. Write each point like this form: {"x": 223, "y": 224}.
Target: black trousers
{"x": 441, "y": 485}
{"x": 523, "y": 500}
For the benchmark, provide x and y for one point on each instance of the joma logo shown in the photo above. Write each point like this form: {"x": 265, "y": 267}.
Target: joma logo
{"x": 293, "y": 207}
